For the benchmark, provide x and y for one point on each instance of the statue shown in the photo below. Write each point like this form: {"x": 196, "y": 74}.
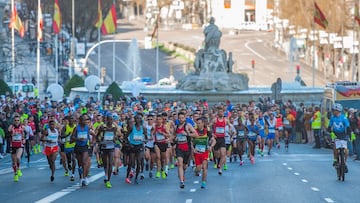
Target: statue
{"x": 212, "y": 35}
{"x": 213, "y": 68}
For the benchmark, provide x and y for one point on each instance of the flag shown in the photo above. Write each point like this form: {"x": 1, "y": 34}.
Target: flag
{"x": 155, "y": 30}
{"x": 109, "y": 24}
{"x": 99, "y": 20}
{"x": 40, "y": 25}
{"x": 16, "y": 23}
{"x": 356, "y": 13}
{"x": 319, "y": 17}
{"x": 57, "y": 18}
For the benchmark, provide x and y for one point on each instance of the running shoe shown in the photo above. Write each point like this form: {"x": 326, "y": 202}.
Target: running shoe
{"x": 131, "y": 174}
{"x": 278, "y": 145}
{"x": 163, "y": 174}
{"x": 241, "y": 163}
{"x": 108, "y": 184}
{"x": 116, "y": 172}
{"x": 128, "y": 181}
{"x": 220, "y": 172}
{"x": 225, "y": 167}
{"x": 19, "y": 173}
{"x": 82, "y": 182}
{"x": 346, "y": 169}
{"x": 150, "y": 174}
{"x": 16, "y": 178}
{"x": 172, "y": 166}
{"x": 334, "y": 163}
{"x": 269, "y": 153}
{"x": 147, "y": 167}
{"x": 182, "y": 185}
{"x": 72, "y": 178}
{"x": 38, "y": 148}
{"x": 52, "y": 178}
{"x": 142, "y": 176}
{"x": 66, "y": 173}
{"x": 158, "y": 174}
{"x": 252, "y": 160}
{"x": 86, "y": 181}
{"x": 136, "y": 181}
{"x": 203, "y": 184}
{"x": 215, "y": 165}
{"x": 259, "y": 151}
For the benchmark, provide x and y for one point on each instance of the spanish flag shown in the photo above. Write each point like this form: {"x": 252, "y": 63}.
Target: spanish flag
{"x": 40, "y": 25}
{"x": 57, "y": 18}
{"x": 16, "y": 23}
{"x": 356, "y": 13}
{"x": 109, "y": 24}
{"x": 99, "y": 20}
{"x": 319, "y": 17}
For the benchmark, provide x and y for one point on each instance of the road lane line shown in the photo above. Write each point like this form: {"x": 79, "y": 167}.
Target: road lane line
{"x": 296, "y": 173}
{"x": 290, "y": 168}
{"x": 329, "y": 200}
{"x": 188, "y": 201}
{"x": 58, "y": 195}
{"x": 193, "y": 190}
{"x": 315, "y": 189}
{"x": 196, "y": 182}
{"x": 304, "y": 180}
{"x": 284, "y": 164}
{"x": 253, "y": 51}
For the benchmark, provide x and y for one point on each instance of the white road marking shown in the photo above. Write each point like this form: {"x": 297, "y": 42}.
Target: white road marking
{"x": 315, "y": 189}
{"x": 296, "y": 173}
{"x": 329, "y": 200}
{"x": 41, "y": 168}
{"x": 304, "y": 180}
{"x": 284, "y": 164}
{"x": 58, "y": 195}
{"x": 193, "y": 190}
{"x": 188, "y": 201}
{"x": 290, "y": 168}
{"x": 196, "y": 182}
{"x": 253, "y": 51}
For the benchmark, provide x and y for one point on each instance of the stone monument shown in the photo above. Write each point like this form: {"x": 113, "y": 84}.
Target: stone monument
{"x": 213, "y": 68}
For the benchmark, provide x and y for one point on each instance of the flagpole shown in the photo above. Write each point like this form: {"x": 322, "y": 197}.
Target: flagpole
{"x": 99, "y": 59}
{"x": 157, "y": 51}
{"x": 38, "y": 49}
{"x": 57, "y": 58}
{"x": 12, "y": 49}
{"x": 114, "y": 54}
{"x": 353, "y": 52}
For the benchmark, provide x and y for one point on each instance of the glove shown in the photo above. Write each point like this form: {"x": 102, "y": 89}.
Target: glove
{"x": 332, "y": 135}
{"x": 352, "y": 137}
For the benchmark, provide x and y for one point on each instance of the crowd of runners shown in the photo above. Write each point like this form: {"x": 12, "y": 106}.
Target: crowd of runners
{"x": 148, "y": 137}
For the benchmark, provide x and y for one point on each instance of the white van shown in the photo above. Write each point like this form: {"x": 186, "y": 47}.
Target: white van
{"x": 24, "y": 89}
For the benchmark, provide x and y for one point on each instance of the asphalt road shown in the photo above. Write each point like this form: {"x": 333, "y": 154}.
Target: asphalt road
{"x": 301, "y": 175}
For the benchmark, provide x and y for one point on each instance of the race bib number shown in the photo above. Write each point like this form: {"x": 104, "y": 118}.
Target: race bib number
{"x": 286, "y": 122}
{"x": 220, "y": 130}
{"x": 271, "y": 130}
{"x": 341, "y": 144}
{"x": 109, "y": 136}
{"x": 17, "y": 137}
{"x": 200, "y": 148}
{"x": 181, "y": 138}
{"x": 160, "y": 137}
{"x": 280, "y": 128}
{"x": 251, "y": 135}
{"x": 52, "y": 138}
{"x": 138, "y": 137}
{"x": 241, "y": 133}
{"x": 82, "y": 135}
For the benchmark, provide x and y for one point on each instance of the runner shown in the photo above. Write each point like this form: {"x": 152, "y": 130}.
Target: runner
{"x": 261, "y": 138}
{"x": 161, "y": 136}
{"x": 70, "y": 162}
{"x": 16, "y": 131}
{"x": 241, "y": 132}
{"x": 182, "y": 137}
{"x": 288, "y": 123}
{"x": 150, "y": 155}
{"x": 81, "y": 136}
{"x": 271, "y": 125}
{"x": 218, "y": 125}
{"x": 137, "y": 136}
{"x": 229, "y": 137}
{"x": 51, "y": 136}
{"x": 253, "y": 132}
{"x": 202, "y": 148}
{"x": 29, "y": 136}
{"x": 107, "y": 135}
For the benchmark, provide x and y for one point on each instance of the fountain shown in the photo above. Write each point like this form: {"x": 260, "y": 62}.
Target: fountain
{"x": 213, "y": 69}
{"x": 133, "y": 59}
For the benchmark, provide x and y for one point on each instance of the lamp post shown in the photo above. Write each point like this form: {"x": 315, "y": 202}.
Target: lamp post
{"x": 72, "y": 50}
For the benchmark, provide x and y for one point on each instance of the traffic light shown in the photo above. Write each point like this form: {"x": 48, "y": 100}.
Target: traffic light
{"x": 298, "y": 69}
{"x": 253, "y": 64}
{"x": 227, "y": 3}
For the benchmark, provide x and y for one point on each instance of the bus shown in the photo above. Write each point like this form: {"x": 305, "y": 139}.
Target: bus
{"x": 24, "y": 89}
